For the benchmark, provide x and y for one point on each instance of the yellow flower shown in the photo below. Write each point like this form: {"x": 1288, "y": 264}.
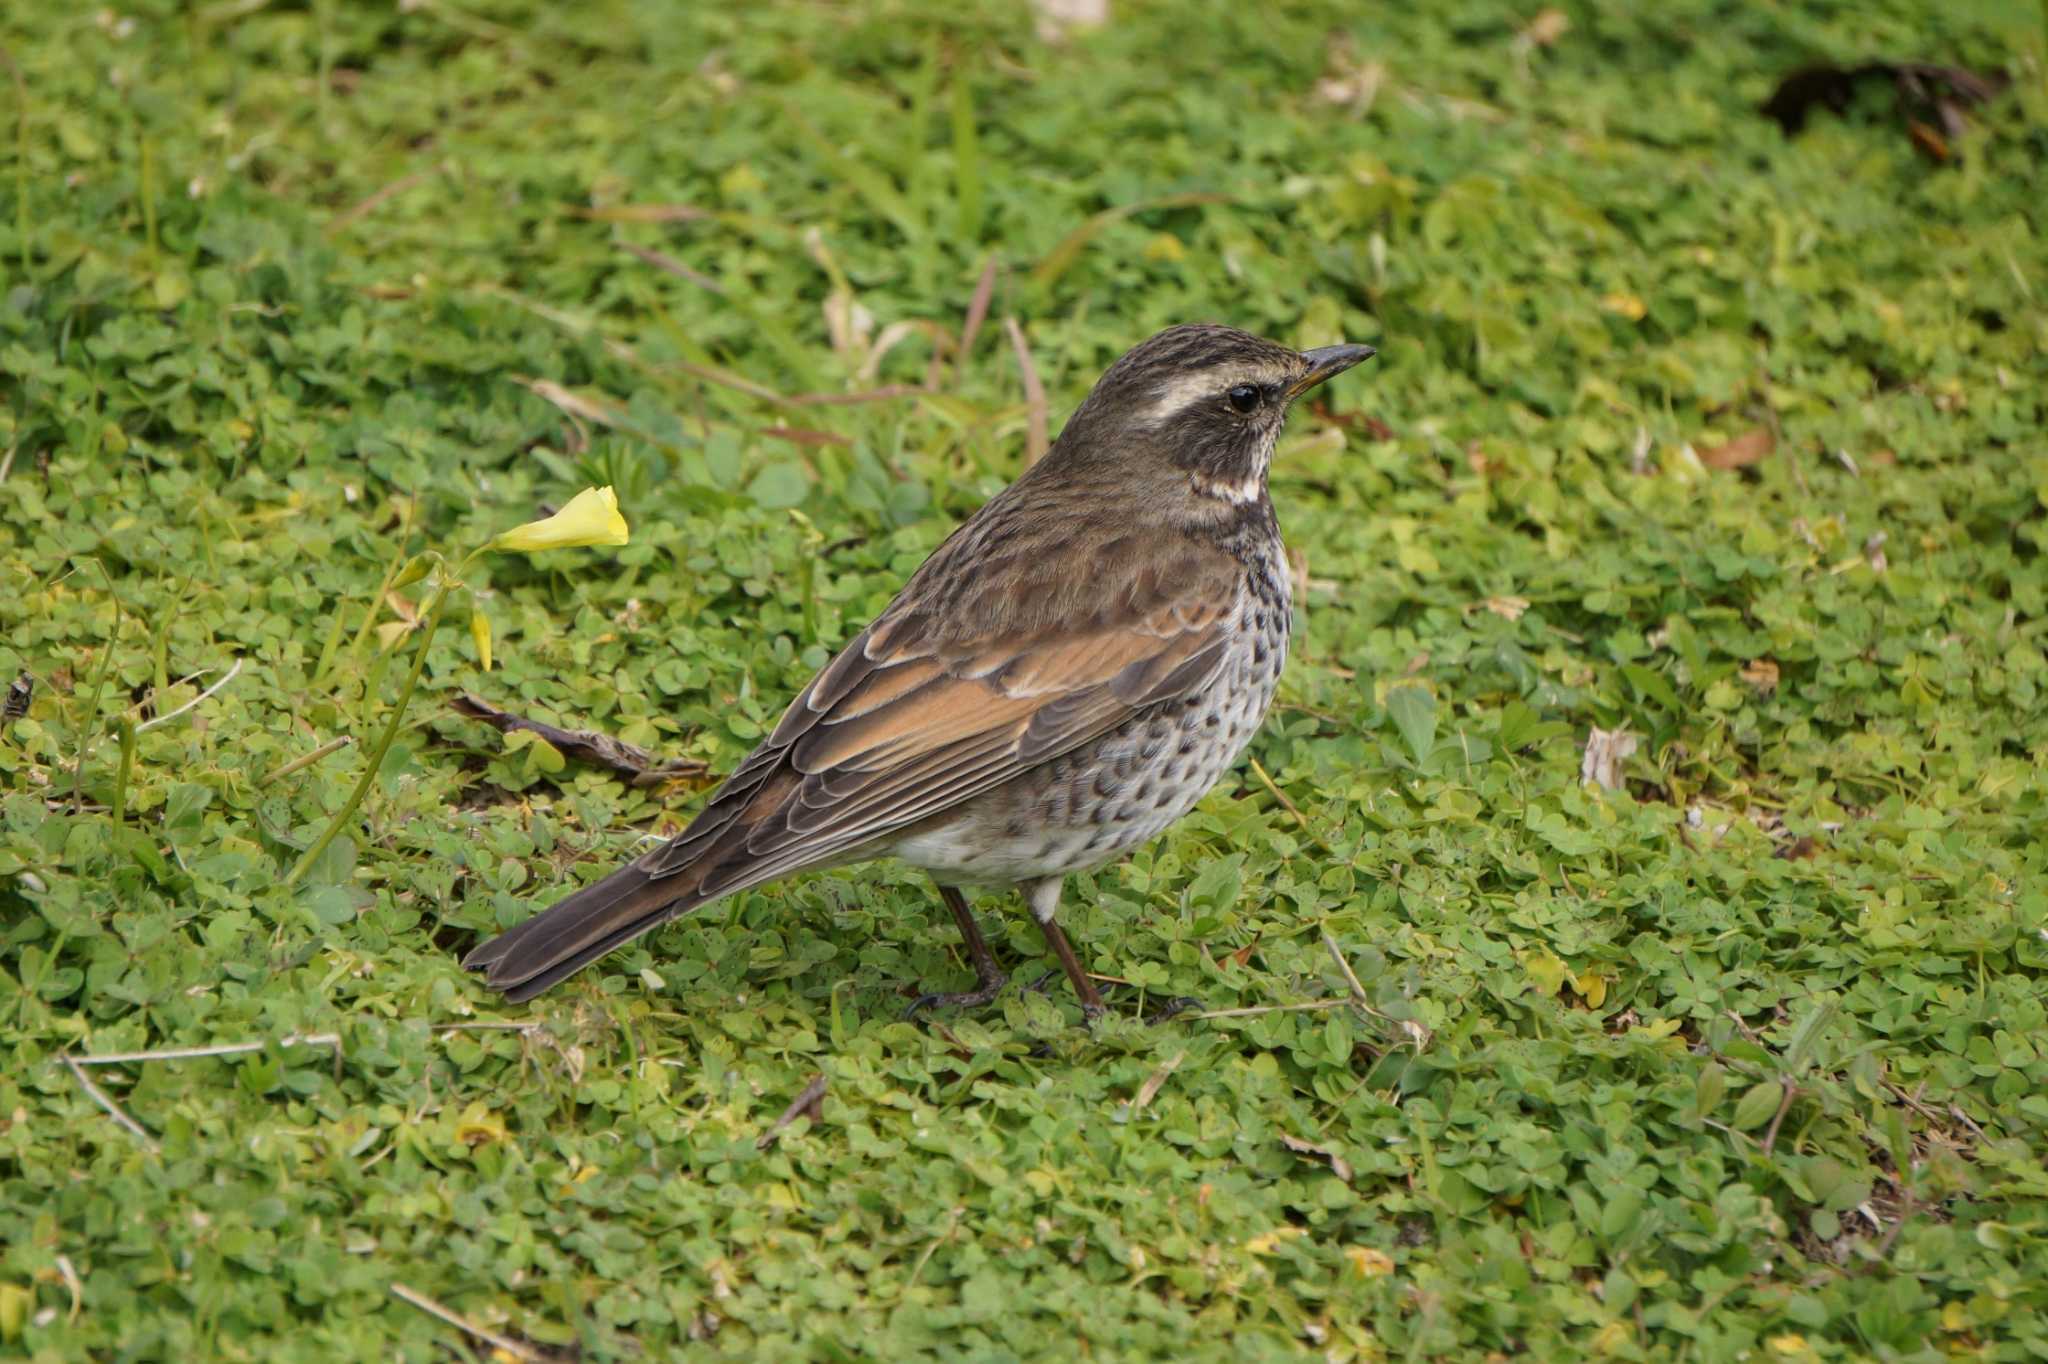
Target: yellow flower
{"x": 1626, "y": 305}
{"x": 591, "y": 518}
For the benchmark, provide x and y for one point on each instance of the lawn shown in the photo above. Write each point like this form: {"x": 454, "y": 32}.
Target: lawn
{"x": 1627, "y": 940}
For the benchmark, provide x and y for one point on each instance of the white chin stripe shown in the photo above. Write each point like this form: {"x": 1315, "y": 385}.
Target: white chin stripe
{"x": 1239, "y": 493}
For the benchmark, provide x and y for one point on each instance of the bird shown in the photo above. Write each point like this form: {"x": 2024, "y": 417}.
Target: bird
{"x": 1066, "y": 675}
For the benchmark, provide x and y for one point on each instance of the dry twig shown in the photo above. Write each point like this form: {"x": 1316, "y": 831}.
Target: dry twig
{"x": 171, "y": 715}
{"x": 517, "y": 1349}
{"x": 662, "y": 261}
{"x": 122, "y": 1058}
{"x": 639, "y": 767}
{"x": 977, "y": 313}
{"x": 1344, "y": 1003}
{"x": 1035, "y": 419}
{"x": 113, "y": 1110}
{"x": 305, "y": 760}
{"x": 809, "y": 1102}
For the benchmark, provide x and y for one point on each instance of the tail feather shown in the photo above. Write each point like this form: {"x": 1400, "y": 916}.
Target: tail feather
{"x": 575, "y": 931}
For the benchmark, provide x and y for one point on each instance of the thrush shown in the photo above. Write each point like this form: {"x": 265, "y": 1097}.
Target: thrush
{"x": 1064, "y": 677}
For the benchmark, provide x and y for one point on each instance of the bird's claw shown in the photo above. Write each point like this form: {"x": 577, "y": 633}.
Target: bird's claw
{"x": 1172, "y": 1008}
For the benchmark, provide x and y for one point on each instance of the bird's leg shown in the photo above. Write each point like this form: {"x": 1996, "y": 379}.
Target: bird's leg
{"x": 991, "y": 976}
{"x": 1044, "y": 898}
{"x": 1043, "y": 902}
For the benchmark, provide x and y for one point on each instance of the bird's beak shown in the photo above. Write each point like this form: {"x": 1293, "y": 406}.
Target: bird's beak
{"x": 1326, "y": 362}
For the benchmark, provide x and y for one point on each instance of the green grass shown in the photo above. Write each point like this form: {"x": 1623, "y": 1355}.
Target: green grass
{"x": 1747, "y": 1059}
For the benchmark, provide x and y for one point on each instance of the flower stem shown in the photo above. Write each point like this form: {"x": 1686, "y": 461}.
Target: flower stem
{"x": 376, "y": 758}
{"x": 127, "y": 729}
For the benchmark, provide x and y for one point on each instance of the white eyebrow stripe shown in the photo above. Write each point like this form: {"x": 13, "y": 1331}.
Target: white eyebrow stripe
{"x": 1184, "y": 390}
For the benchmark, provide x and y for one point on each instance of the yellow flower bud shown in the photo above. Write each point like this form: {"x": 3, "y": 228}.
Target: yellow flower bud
{"x": 591, "y": 518}
{"x": 415, "y": 569}
{"x": 480, "y": 631}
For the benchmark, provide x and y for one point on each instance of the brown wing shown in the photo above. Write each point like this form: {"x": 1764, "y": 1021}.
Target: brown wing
{"x": 920, "y": 712}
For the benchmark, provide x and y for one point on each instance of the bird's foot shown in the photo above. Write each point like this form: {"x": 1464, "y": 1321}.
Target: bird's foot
{"x": 1171, "y": 1009}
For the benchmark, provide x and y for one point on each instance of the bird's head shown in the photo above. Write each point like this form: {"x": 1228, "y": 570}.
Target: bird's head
{"x": 1203, "y": 400}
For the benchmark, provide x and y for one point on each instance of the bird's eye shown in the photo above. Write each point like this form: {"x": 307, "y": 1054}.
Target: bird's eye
{"x": 1245, "y": 397}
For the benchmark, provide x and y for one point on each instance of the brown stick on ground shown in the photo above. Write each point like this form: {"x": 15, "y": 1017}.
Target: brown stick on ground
{"x": 808, "y": 1103}
{"x": 636, "y": 765}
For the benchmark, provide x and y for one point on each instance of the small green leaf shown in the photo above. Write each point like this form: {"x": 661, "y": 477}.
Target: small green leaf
{"x": 1216, "y": 886}
{"x": 779, "y": 485}
{"x": 1621, "y": 1213}
{"x": 14, "y": 1304}
{"x": 1651, "y": 684}
{"x": 1757, "y": 1104}
{"x": 542, "y": 757}
{"x": 1413, "y": 711}
{"x": 1709, "y": 1090}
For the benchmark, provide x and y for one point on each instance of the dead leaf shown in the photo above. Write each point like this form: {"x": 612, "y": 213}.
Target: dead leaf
{"x": 848, "y": 325}
{"x": 1338, "y": 1166}
{"x": 1873, "y": 552}
{"x": 1546, "y": 28}
{"x": 1058, "y": 18}
{"x": 1745, "y": 450}
{"x": 1761, "y": 673}
{"x": 1507, "y": 608}
{"x": 1542, "y": 31}
{"x": 1800, "y": 849}
{"x": 1606, "y": 751}
{"x": 1149, "y": 1091}
{"x": 1348, "y": 81}
{"x": 1930, "y": 142}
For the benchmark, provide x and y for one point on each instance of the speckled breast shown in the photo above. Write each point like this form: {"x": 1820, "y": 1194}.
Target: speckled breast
{"x": 1090, "y": 806}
